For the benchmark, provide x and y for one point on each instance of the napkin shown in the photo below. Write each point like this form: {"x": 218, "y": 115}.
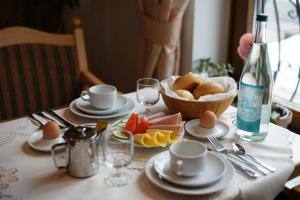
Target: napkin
{"x": 228, "y": 84}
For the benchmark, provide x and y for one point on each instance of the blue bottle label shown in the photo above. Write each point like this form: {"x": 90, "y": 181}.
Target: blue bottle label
{"x": 265, "y": 113}
{"x": 249, "y": 107}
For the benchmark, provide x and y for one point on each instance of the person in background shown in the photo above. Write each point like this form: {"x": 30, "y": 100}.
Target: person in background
{"x": 246, "y": 42}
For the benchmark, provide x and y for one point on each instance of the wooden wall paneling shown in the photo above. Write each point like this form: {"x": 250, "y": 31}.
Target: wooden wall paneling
{"x": 240, "y": 23}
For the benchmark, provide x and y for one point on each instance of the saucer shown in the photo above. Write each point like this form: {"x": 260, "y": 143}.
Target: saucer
{"x": 37, "y": 142}
{"x": 85, "y": 106}
{"x": 127, "y": 109}
{"x": 156, "y": 179}
{"x": 213, "y": 171}
{"x": 193, "y": 128}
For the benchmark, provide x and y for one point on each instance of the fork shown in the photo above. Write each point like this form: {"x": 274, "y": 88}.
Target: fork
{"x": 221, "y": 149}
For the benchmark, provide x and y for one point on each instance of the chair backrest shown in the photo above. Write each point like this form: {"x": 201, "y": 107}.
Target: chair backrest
{"x": 38, "y": 70}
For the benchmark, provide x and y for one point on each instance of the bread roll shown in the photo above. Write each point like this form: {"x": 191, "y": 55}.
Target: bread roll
{"x": 208, "y": 88}
{"x": 187, "y": 82}
{"x": 187, "y": 95}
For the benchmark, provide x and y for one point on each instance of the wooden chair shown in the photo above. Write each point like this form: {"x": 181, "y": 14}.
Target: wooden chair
{"x": 40, "y": 70}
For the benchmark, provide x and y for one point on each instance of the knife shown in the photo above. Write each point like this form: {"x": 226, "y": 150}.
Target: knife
{"x": 40, "y": 114}
{"x": 239, "y": 167}
{"x": 261, "y": 170}
{"x": 243, "y": 169}
{"x": 272, "y": 169}
{"x": 58, "y": 117}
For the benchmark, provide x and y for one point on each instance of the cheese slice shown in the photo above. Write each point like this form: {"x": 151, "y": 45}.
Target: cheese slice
{"x": 159, "y": 138}
{"x": 143, "y": 140}
{"x": 156, "y": 138}
{"x": 170, "y": 135}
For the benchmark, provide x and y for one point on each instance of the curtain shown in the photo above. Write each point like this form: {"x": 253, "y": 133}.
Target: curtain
{"x": 160, "y": 37}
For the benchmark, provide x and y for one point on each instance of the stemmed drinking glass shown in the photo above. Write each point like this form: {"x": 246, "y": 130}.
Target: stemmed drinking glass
{"x": 147, "y": 92}
{"x": 117, "y": 154}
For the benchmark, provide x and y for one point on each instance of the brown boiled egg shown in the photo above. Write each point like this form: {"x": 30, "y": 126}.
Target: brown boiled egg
{"x": 51, "y": 130}
{"x": 208, "y": 119}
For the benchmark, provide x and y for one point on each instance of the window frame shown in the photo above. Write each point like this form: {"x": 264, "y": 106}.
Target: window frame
{"x": 242, "y": 22}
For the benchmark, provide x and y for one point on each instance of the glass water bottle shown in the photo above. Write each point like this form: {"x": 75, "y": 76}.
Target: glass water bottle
{"x": 255, "y": 89}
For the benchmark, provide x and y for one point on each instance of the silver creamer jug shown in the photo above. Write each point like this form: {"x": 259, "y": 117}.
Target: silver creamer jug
{"x": 82, "y": 156}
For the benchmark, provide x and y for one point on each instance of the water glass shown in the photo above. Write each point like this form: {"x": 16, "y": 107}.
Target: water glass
{"x": 147, "y": 92}
{"x": 117, "y": 154}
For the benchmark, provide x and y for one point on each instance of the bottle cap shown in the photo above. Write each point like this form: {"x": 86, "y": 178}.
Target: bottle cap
{"x": 261, "y": 17}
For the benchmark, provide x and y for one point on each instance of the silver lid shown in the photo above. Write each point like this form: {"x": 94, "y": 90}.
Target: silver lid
{"x": 79, "y": 132}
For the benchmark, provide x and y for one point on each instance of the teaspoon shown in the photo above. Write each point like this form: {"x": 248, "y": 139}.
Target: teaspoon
{"x": 239, "y": 149}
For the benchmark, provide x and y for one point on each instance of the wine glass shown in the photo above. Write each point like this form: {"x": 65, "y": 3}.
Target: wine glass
{"x": 147, "y": 92}
{"x": 117, "y": 154}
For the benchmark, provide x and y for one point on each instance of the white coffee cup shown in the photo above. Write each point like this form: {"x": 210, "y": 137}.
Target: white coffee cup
{"x": 100, "y": 96}
{"x": 187, "y": 158}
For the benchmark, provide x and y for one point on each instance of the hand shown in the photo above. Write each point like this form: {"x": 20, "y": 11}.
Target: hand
{"x": 246, "y": 43}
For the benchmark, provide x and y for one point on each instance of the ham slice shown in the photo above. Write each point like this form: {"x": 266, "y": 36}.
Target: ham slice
{"x": 156, "y": 115}
{"x": 166, "y": 120}
{"x": 177, "y": 128}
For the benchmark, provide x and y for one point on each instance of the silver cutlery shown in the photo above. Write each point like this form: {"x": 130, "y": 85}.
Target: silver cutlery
{"x": 33, "y": 118}
{"x": 261, "y": 170}
{"x": 41, "y": 114}
{"x": 221, "y": 149}
{"x": 241, "y": 150}
{"x": 59, "y": 118}
{"x": 241, "y": 168}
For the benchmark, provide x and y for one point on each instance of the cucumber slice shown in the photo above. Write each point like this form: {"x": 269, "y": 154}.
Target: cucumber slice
{"x": 121, "y": 124}
{"x": 117, "y": 128}
{"x": 125, "y": 120}
{"x": 118, "y": 134}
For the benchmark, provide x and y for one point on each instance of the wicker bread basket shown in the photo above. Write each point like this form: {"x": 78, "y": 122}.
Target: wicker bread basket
{"x": 192, "y": 109}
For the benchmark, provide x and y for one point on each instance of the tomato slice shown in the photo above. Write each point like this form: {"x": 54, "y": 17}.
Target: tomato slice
{"x": 143, "y": 125}
{"x": 131, "y": 123}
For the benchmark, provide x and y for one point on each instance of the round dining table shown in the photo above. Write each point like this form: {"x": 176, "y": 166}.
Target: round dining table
{"x": 27, "y": 174}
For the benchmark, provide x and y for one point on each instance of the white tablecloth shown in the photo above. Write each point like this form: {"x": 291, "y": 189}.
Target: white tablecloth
{"x": 37, "y": 178}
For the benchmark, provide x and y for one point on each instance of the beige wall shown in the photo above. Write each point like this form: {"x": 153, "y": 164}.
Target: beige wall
{"x": 111, "y": 33}
{"x": 211, "y": 29}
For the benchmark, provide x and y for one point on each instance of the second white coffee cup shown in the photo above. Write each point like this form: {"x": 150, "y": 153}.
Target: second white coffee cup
{"x": 187, "y": 158}
{"x": 100, "y": 96}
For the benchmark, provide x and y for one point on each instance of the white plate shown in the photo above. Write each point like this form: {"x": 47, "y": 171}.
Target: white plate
{"x": 37, "y": 142}
{"x": 85, "y": 106}
{"x": 213, "y": 171}
{"x": 129, "y": 106}
{"x": 193, "y": 128}
{"x": 118, "y": 126}
{"x": 159, "y": 182}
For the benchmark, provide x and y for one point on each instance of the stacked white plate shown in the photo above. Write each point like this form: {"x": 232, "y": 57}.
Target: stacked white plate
{"x": 84, "y": 109}
{"x": 217, "y": 174}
